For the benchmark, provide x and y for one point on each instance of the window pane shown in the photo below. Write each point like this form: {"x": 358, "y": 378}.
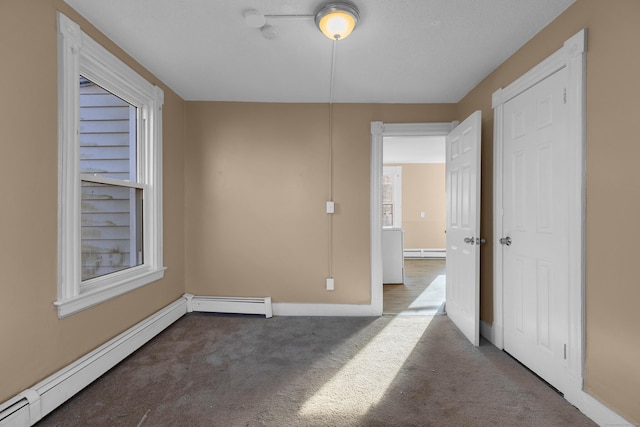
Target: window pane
{"x": 111, "y": 229}
{"x": 387, "y": 215}
{"x": 107, "y": 133}
{"x": 387, "y": 189}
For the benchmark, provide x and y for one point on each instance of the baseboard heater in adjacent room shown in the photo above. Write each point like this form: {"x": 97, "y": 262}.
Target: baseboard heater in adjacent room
{"x": 238, "y": 305}
{"x": 425, "y": 253}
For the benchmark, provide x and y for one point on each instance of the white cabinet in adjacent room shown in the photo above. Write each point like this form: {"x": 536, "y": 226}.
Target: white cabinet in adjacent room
{"x": 392, "y": 256}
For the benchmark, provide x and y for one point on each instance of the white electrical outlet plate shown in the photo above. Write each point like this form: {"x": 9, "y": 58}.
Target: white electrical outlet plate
{"x": 329, "y": 283}
{"x": 330, "y": 207}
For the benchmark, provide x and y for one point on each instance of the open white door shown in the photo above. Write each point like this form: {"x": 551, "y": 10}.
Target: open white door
{"x": 463, "y": 226}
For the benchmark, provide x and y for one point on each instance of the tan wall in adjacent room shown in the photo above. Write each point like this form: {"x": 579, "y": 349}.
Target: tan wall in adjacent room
{"x": 423, "y": 190}
{"x": 257, "y": 182}
{"x": 612, "y": 187}
{"x": 35, "y": 343}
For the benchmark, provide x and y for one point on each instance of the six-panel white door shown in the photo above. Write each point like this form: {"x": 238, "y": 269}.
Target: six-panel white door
{"x": 463, "y": 226}
{"x": 535, "y": 204}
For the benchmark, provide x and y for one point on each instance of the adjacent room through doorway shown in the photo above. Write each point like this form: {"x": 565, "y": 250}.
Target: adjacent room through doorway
{"x": 414, "y": 224}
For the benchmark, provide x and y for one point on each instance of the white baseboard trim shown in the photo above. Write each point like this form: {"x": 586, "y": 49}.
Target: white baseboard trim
{"x": 33, "y": 404}
{"x": 573, "y": 393}
{"x": 594, "y": 409}
{"x": 239, "y": 305}
{"x": 486, "y": 330}
{"x": 30, "y": 406}
{"x": 425, "y": 253}
{"x": 301, "y": 309}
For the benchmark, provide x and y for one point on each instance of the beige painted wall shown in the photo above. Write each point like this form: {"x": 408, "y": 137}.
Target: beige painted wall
{"x": 256, "y": 186}
{"x": 423, "y": 190}
{"x": 258, "y": 176}
{"x": 613, "y": 90}
{"x": 35, "y": 343}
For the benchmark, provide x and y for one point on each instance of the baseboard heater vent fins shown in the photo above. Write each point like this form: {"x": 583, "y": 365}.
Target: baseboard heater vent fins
{"x": 15, "y": 412}
{"x": 238, "y": 305}
{"x": 425, "y": 253}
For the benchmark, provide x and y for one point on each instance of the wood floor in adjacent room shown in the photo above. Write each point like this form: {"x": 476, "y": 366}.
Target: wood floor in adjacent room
{"x": 423, "y": 291}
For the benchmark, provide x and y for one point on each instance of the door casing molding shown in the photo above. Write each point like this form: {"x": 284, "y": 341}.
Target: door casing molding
{"x": 572, "y": 57}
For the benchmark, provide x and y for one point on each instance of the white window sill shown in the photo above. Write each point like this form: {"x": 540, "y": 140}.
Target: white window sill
{"x": 102, "y": 289}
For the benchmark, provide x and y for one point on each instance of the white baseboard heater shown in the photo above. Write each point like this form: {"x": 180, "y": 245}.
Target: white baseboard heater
{"x": 425, "y": 253}
{"x": 30, "y": 406}
{"x": 239, "y": 305}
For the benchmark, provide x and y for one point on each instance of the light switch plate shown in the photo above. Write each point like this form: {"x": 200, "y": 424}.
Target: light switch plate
{"x": 329, "y": 283}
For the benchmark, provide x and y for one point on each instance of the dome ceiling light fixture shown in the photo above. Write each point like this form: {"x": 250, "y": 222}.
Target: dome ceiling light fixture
{"x": 337, "y": 20}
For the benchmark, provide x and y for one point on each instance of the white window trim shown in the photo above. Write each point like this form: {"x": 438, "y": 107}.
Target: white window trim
{"x": 396, "y": 171}
{"x": 79, "y": 54}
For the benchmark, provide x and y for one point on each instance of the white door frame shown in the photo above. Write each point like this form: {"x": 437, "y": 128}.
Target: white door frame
{"x": 572, "y": 57}
{"x": 378, "y": 131}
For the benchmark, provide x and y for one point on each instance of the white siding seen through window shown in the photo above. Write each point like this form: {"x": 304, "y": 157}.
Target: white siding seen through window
{"x": 111, "y": 214}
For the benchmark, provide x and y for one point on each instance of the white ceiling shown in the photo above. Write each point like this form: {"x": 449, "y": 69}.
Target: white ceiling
{"x": 408, "y": 51}
{"x": 413, "y": 149}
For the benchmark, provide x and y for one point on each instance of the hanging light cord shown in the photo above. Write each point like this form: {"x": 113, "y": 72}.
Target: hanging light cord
{"x": 331, "y": 83}
{"x": 333, "y": 69}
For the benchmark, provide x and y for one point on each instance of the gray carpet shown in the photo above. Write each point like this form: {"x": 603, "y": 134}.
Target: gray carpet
{"x": 225, "y": 370}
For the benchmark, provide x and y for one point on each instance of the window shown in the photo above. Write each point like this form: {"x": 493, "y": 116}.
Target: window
{"x": 387, "y": 200}
{"x": 111, "y": 193}
{"x": 392, "y": 197}
{"x": 110, "y": 177}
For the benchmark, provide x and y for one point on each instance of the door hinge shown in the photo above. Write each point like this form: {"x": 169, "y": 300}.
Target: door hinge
{"x": 565, "y": 352}
{"x": 564, "y": 96}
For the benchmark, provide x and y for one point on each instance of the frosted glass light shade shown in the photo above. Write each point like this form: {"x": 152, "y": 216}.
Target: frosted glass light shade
{"x": 337, "y": 20}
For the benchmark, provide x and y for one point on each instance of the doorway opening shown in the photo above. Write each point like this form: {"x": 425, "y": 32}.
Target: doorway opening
{"x": 380, "y": 131}
{"x": 462, "y": 165}
{"x": 414, "y": 224}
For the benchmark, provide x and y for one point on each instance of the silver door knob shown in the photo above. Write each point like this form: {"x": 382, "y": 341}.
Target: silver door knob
{"x": 470, "y": 240}
{"x": 505, "y": 241}
{"x": 480, "y": 241}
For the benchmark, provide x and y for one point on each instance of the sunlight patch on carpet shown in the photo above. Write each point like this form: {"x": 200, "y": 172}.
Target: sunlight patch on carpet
{"x": 362, "y": 382}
